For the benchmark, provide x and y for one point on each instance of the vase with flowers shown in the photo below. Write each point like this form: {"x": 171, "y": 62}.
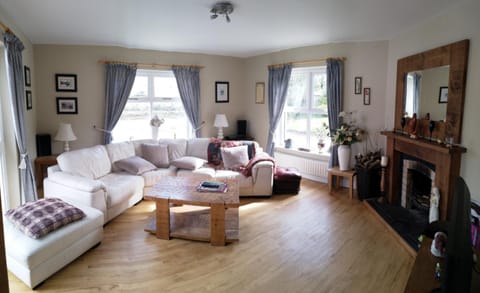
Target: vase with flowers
{"x": 344, "y": 136}
{"x": 155, "y": 123}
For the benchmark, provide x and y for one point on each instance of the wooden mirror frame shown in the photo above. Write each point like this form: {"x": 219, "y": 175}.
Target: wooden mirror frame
{"x": 455, "y": 55}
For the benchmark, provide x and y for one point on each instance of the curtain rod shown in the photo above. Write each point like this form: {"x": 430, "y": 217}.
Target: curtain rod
{"x": 308, "y": 61}
{"x": 5, "y": 28}
{"x": 147, "y": 65}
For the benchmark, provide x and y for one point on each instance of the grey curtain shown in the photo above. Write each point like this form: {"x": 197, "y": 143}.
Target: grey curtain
{"x": 119, "y": 82}
{"x": 334, "y": 101}
{"x": 278, "y": 78}
{"x": 14, "y": 48}
{"x": 188, "y": 81}
{"x": 416, "y": 91}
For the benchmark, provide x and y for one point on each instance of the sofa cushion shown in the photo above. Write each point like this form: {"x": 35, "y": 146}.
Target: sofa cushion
{"x": 134, "y": 165}
{"x": 137, "y": 145}
{"x": 119, "y": 151}
{"x": 203, "y": 172}
{"x": 120, "y": 187}
{"x": 230, "y": 174}
{"x": 189, "y": 163}
{"x": 38, "y": 218}
{"x": 177, "y": 148}
{"x": 197, "y": 147}
{"x": 156, "y": 154}
{"x": 152, "y": 177}
{"x": 92, "y": 162}
{"x": 234, "y": 157}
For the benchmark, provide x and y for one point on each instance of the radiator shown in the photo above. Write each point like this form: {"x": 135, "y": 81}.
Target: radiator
{"x": 311, "y": 168}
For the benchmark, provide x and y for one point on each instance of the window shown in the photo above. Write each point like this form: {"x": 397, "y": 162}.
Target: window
{"x": 154, "y": 92}
{"x": 305, "y": 109}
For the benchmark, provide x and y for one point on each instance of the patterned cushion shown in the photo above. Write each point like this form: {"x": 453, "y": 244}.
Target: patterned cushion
{"x": 38, "y": 218}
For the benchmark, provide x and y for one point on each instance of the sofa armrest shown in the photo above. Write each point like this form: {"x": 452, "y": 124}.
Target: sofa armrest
{"x": 263, "y": 171}
{"x": 76, "y": 182}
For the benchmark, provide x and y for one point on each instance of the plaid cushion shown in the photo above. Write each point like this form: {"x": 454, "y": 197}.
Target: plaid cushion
{"x": 38, "y": 218}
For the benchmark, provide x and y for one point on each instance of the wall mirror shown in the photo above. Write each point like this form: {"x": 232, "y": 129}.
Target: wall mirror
{"x": 433, "y": 82}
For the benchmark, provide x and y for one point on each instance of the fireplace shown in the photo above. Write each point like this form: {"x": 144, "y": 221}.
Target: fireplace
{"x": 418, "y": 179}
{"x": 415, "y": 166}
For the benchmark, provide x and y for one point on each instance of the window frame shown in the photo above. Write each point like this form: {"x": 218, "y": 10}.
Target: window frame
{"x": 151, "y": 98}
{"x": 308, "y": 109}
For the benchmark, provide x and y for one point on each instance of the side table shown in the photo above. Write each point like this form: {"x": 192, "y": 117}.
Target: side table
{"x": 334, "y": 175}
{"x": 41, "y": 165}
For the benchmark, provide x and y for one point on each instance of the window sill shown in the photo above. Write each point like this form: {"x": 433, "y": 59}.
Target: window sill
{"x": 324, "y": 156}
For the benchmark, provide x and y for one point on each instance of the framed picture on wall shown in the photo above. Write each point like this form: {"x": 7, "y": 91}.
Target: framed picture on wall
{"x": 366, "y": 96}
{"x": 28, "y": 100}
{"x": 260, "y": 93}
{"x": 26, "y": 73}
{"x": 221, "y": 91}
{"x": 66, "y": 82}
{"x": 67, "y": 106}
{"x": 443, "y": 95}
{"x": 358, "y": 85}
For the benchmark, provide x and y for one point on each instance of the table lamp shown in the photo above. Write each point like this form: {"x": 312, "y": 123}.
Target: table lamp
{"x": 65, "y": 134}
{"x": 220, "y": 122}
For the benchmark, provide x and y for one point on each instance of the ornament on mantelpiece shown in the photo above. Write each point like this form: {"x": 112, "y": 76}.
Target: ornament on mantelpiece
{"x": 412, "y": 126}
{"x": 434, "y": 202}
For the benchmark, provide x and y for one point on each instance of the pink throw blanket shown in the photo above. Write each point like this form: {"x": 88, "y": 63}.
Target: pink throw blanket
{"x": 247, "y": 170}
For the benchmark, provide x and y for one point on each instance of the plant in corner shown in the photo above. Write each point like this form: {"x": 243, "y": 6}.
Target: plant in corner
{"x": 347, "y": 134}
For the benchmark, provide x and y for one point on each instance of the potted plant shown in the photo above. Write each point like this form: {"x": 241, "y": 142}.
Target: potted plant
{"x": 344, "y": 136}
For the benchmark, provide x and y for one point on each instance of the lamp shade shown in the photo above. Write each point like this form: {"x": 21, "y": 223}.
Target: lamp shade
{"x": 65, "y": 133}
{"x": 220, "y": 121}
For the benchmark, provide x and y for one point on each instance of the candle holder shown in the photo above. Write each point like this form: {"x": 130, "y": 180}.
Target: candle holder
{"x": 383, "y": 180}
{"x": 431, "y": 127}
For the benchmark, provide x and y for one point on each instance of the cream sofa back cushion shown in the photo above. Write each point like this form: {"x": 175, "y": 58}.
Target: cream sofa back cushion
{"x": 119, "y": 151}
{"x": 197, "y": 147}
{"x": 90, "y": 162}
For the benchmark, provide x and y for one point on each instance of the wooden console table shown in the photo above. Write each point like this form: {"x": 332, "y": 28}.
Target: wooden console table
{"x": 41, "y": 165}
{"x": 334, "y": 176}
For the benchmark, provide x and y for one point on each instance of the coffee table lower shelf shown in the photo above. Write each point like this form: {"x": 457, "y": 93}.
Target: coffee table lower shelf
{"x": 193, "y": 223}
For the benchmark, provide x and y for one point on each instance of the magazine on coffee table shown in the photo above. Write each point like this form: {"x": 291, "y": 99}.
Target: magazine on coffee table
{"x": 212, "y": 186}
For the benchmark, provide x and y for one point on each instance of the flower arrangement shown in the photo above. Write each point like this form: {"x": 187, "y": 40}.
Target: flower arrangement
{"x": 348, "y": 133}
{"x": 156, "y": 122}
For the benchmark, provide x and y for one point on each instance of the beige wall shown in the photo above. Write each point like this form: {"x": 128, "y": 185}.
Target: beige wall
{"x": 367, "y": 59}
{"x": 460, "y": 22}
{"x": 11, "y": 153}
{"x": 83, "y": 61}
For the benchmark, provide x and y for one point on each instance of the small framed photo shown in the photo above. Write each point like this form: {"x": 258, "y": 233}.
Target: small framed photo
{"x": 67, "y": 106}
{"x": 443, "y": 95}
{"x": 66, "y": 82}
{"x": 366, "y": 96}
{"x": 260, "y": 93}
{"x": 358, "y": 85}
{"x": 26, "y": 73}
{"x": 221, "y": 91}
{"x": 28, "y": 100}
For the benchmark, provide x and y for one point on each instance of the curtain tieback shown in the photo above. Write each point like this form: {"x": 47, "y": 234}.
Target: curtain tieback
{"x": 23, "y": 164}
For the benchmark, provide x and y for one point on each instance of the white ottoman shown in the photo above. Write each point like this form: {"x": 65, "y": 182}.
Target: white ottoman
{"x": 34, "y": 260}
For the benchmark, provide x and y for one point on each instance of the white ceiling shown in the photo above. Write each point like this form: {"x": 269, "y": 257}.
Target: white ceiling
{"x": 257, "y": 27}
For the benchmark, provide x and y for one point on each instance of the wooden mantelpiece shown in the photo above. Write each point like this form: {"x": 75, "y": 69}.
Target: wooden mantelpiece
{"x": 446, "y": 160}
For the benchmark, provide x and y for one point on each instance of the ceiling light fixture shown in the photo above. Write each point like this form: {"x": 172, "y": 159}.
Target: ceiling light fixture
{"x": 221, "y": 8}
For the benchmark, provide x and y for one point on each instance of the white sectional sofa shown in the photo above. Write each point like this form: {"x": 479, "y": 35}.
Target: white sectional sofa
{"x": 90, "y": 176}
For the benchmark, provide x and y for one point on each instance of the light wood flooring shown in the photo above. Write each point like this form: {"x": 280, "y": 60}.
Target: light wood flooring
{"x": 311, "y": 242}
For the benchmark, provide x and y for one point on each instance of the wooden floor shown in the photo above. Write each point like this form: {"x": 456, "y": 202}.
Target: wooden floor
{"x": 312, "y": 242}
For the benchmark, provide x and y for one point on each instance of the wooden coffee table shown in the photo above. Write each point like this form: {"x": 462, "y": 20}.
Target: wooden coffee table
{"x": 214, "y": 217}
